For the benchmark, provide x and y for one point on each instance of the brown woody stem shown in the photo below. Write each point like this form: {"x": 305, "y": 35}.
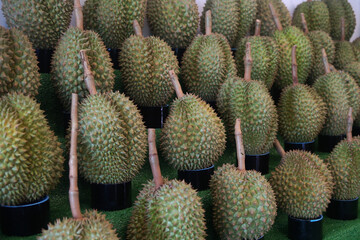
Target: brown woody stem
{"x": 176, "y": 84}
{"x": 208, "y": 23}
{"x": 276, "y": 17}
{"x": 154, "y": 159}
{"x": 78, "y": 15}
{"x": 279, "y": 148}
{"x": 137, "y": 28}
{"x": 304, "y": 24}
{"x": 88, "y": 76}
{"x": 325, "y": 61}
{"x": 342, "y": 29}
{"x": 350, "y": 122}
{"x": 240, "y": 152}
{"x": 294, "y": 66}
{"x": 248, "y": 62}
{"x": 257, "y": 27}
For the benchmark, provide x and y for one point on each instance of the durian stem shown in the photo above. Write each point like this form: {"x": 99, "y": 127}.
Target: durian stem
{"x": 88, "y": 76}
{"x": 350, "y": 122}
{"x": 294, "y": 66}
{"x": 137, "y": 28}
{"x": 154, "y": 159}
{"x": 279, "y": 148}
{"x": 304, "y": 24}
{"x": 248, "y": 62}
{"x": 176, "y": 84}
{"x": 342, "y": 29}
{"x": 276, "y": 17}
{"x": 73, "y": 163}
{"x": 325, "y": 61}
{"x": 240, "y": 152}
{"x": 309, "y": 0}
{"x": 257, "y": 27}
{"x": 78, "y": 15}
{"x": 208, "y": 23}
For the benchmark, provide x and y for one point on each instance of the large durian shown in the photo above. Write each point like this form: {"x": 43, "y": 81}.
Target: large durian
{"x": 112, "y": 19}
{"x": 244, "y": 205}
{"x": 193, "y": 136}
{"x": 231, "y": 18}
{"x": 297, "y": 101}
{"x": 264, "y": 55}
{"x": 42, "y": 21}
{"x": 174, "y": 21}
{"x": 249, "y": 100}
{"x": 31, "y": 161}
{"x": 18, "y": 65}
{"x": 145, "y": 64}
{"x": 166, "y": 209}
{"x": 206, "y": 64}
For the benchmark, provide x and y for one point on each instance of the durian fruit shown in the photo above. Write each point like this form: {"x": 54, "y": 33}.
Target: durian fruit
{"x": 264, "y": 55}
{"x": 354, "y": 70}
{"x": 113, "y": 19}
{"x": 341, "y": 9}
{"x": 356, "y": 48}
{"x": 18, "y": 64}
{"x": 316, "y": 14}
{"x": 42, "y": 21}
{"x": 193, "y": 136}
{"x": 206, "y": 64}
{"x": 166, "y": 209}
{"x": 230, "y": 18}
{"x": 296, "y": 102}
{"x": 145, "y": 64}
{"x": 250, "y": 101}
{"x": 174, "y": 21}
{"x": 302, "y": 184}
{"x": 31, "y": 161}
{"x": 339, "y": 91}
{"x": 244, "y": 205}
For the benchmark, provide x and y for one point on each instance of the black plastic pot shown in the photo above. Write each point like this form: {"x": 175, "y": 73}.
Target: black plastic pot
{"x": 44, "y": 57}
{"x": 259, "y": 163}
{"x": 327, "y": 143}
{"x": 306, "y": 146}
{"x": 179, "y": 53}
{"x": 114, "y": 55}
{"x": 199, "y": 179}
{"x": 343, "y": 209}
{"x": 356, "y": 131}
{"x": 305, "y": 229}
{"x": 25, "y": 220}
{"x": 110, "y": 197}
{"x": 154, "y": 117}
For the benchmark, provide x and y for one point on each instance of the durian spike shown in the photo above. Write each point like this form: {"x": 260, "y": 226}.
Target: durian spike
{"x": 176, "y": 84}
{"x": 154, "y": 159}
{"x": 276, "y": 17}
{"x": 294, "y": 66}
{"x": 73, "y": 162}
{"x": 240, "y": 152}
{"x": 325, "y": 61}
{"x": 88, "y": 75}
{"x": 257, "y": 27}
{"x": 79, "y": 18}
{"x": 248, "y": 62}
{"x": 208, "y": 23}
{"x": 342, "y": 29}
{"x": 137, "y": 28}
{"x": 279, "y": 149}
{"x": 350, "y": 122}
{"x": 304, "y": 24}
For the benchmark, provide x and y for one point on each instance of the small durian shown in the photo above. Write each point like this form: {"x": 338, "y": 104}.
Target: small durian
{"x": 145, "y": 64}
{"x": 193, "y": 136}
{"x": 206, "y": 64}
{"x": 166, "y": 209}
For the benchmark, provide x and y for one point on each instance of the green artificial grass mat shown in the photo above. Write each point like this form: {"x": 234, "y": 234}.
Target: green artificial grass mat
{"x": 59, "y": 203}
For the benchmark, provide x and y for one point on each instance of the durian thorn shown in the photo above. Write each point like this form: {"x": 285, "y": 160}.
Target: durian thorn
{"x": 79, "y": 18}
{"x": 257, "y": 27}
{"x": 350, "y": 122}
{"x": 294, "y": 66}
{"x": 325, "y": 61}
{"x": 276, "y": 17}
{"x": 208, "y": 23}
{"x": 304, "y": 24}
{"x": 88, "y": 75}
{"x": 240, "y": 152}
{"x": 73, "y": 162}
{"x": 279, "y": 148}
{"x": 137, "y": 28}
{"x": 154, "y": 159}
{"x": 248, "y": 62}
{"x": 342, "y": 29}
{"x": 176, "y": 84}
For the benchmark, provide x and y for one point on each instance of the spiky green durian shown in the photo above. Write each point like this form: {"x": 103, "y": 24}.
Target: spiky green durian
{"x": 42, "y": 21}
{"x": 145, "y": 64}
{"x": 354, "y": 70}
{"x": 316, "y": 14}
{"x": 111, "y": 146}
{"x": 302, "y": 184}
{"x": 193, "y": 136}
{"x": 113, "y": 19}
{"x": 344, "y": 164}
{"x": 230, "y": 18}
{"x": 344, "y": 54}
{"x": 67, "y": 70}
{"x": 18, "y": 64}
{"x": 206, "y": 64}
{"x": 93, "y": 226}
{"x": 174, "y": 21}
{"x": 157, "y": 214}
{"x": 356, "y": 48}
{"x": 32, "y": 165}
{"x": 244, "y": 204}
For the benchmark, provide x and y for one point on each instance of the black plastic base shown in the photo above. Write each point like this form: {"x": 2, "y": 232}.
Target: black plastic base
{"x": 259, "y": 163}
{"x": 356, "y": 131}
{"x": 179, "y": 53}
{"x": 305, "y": 229}
{"x": 343, "y": 209}
{"x": 44, "y": 57}
{"x": 25, "y": 220}
{"x": 306, "y": 146}
{"x": 111, "y": 197}
{"x": 327, "y": 143}
{"x": 199, "y": 179}
{"x": 154, "y": 117}
{"x": 114, "y": 55}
